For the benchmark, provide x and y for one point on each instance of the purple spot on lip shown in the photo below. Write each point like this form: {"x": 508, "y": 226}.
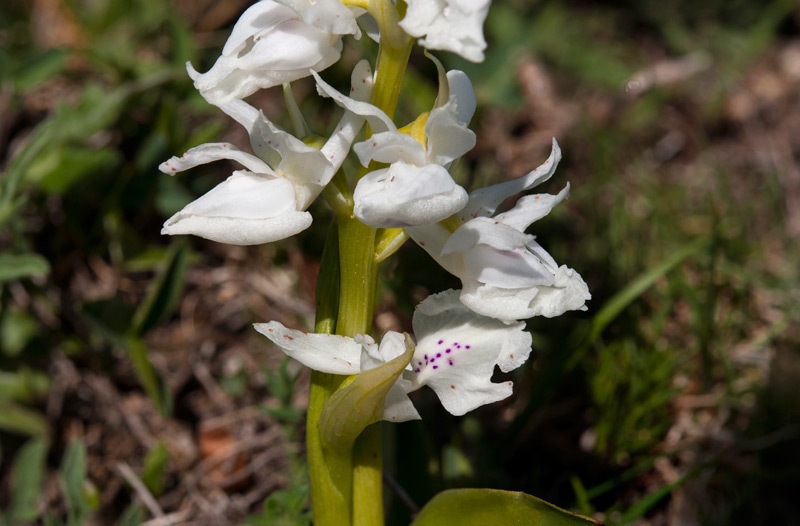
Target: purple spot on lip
{"x": 468, "y": 347}
{"x": 450, "y": 362}
{"x": 438, "y": 355}
{"x": 448, "y": 351}
{"x": 435, "y": 366}
{"x": 441, "y": 342}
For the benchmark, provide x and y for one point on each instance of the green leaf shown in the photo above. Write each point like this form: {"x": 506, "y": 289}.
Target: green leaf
{"x": 23, "y": 384}
{"x": 622, "y": 299}
{"x": 110, "y": 317}
{"x": 15, "y": 418}
{"x": 153, "y": 385}
{"x": 39, "y": 69}
{"x": 27, "y": 477}
{"x": 490, "y": 507}
{"x": 16, "y": 330}
{"x": 17, "y": 266}
{"x": 58, "y": 168}
{"x": 154, "y": 467}
{"x": 73, "y": 483}
{"x": 132, "y": 516}
{"x": 353, "y": 407}
{"x": 164, "y": 293}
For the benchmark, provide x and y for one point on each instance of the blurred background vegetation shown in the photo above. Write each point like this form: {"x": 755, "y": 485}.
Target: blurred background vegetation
{"x": 133, "y": 390}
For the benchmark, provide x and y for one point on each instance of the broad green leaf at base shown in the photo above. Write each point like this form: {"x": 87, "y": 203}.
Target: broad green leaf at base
{"x": 491, "y": 507}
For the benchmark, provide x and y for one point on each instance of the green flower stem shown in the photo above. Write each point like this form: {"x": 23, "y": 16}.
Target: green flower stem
{"x": 368, "y": 450}
{"x": 368, "y": 478}
{"x": 389, "y": 71}
{"x": 348, "y": 489}
{"x": 331, "y": 502}
{"x": 359, "y": 274}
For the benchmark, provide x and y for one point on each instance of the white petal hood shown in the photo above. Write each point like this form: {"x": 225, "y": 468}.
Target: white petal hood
{"x": 274, "y": 42}
{"x": 505, "y": 273}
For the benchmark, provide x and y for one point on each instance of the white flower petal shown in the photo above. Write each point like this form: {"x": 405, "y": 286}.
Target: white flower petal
{"x": 327, "y": 353}
{"x": 245, "y": 209}
{"x": 389, "y": 147}
{"x": 338, "y": 145}
{"x": 377, "y": 119}
{"x": 206, "y": 153}
{"x": 531, "y": 208}
{"x": 244, "y": 114}
{"x": 452, "y": 25}
{"x": 462, "y": 95}
{"x": 329, "y": 15}
{"x": 300, "y": 163}
{"x": 406, "y": 195}
{"x": 432, "y": 238}
{"x": 484, "y": 202}
{"x": 271, "y": 45}
{"x": 457, "y": 351}
{"x": 261, "y": 16}
{"x": 497, "y": 254}
{"x": 568, "y": 292}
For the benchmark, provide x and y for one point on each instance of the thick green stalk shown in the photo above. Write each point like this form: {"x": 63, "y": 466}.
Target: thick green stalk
{"x": 348, "y": 489}
{"x": 331, "y": 502}
{"x": 359, "y": 274}
{"x": 368, "y": 450}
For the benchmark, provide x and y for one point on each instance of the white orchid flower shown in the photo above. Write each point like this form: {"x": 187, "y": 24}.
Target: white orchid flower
{"x": 505, "y": 273}
{"x": 450, "y": 25}
{"x": 267, "y": 201}
{"x": 456, "y": 354}
{"x": 274, "y": 42}
{"x": 416, "y": 188}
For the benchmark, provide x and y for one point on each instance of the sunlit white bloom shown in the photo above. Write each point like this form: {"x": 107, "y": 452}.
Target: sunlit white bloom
{"x": 456, "y": 354}
{"x": 276, "y": 41}
{"x": 451, "y": 25}
{"x": 505, "y": 273}
{"x": 268, "y": 200}
{"x": 416, "y": 188}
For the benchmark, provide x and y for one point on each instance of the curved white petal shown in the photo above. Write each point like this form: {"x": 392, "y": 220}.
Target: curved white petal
{"x": 531, "y": 208}
{"x": 329, "y": 15}
{"x": 406, "y": 195}
{"x": 245, "y": 209}
{"x": 389, "y": 147}
{"x": 259, "y": 17}
{"x": 327, "y": 353}
{"x": 452, "y": 25}
{"x": 568, "y": 292}
{"x": 497, "y": 254}
{"x": 206, "y": 153}
{"x": 338, "y": 145}
{"x": 300, "y": 163}
{"x": 457, "y": 351}
{"x": 446, "y": 128}
{"x": 432, "y": 238}
{"x": 271, "y": 45}
{"x": 377, "y": 119}
{"x": 462, "y": 95}
{"x": 484, "y": 202}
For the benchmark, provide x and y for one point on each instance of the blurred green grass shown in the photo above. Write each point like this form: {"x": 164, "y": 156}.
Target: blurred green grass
{"x": 671, "y": 398}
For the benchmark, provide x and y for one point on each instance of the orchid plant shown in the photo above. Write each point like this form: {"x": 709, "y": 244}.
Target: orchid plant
{"x": 403, "y": 189}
